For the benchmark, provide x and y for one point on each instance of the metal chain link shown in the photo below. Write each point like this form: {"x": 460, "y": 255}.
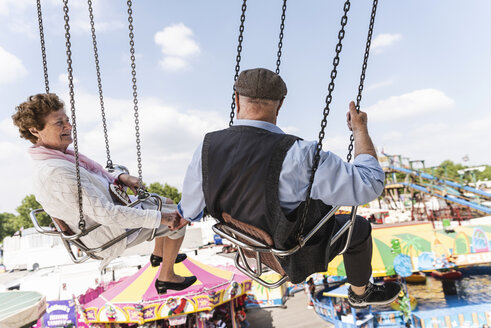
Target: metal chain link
{"x": 280, "y": 42}
{"x": 109, "y": 163}
{"x": 339, "y": 47}
{"x": 141, "y": 192}
{"x": 81, "y": 222}
{"x": 363, "y": 70}
{"x": 43, "y": 48}
{"x": 237, "y": 60}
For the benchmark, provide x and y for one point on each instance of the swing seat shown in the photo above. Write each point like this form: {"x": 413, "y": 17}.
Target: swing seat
{"x": 257, "y": 244}
{"x": 73, "y": 240}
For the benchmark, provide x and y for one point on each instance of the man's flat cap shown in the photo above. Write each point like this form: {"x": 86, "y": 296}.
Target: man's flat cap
{"x": 260, "y": 83}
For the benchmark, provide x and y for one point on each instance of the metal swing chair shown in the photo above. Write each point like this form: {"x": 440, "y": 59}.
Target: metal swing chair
{"x": 257, "y": 244}
{"x": 69, "y": 238}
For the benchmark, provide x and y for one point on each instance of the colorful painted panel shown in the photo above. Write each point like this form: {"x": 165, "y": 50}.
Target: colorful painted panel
{"x": 261, "y": 296}
{"x": 428, "y": 249}
{"x": 464, "y": 316}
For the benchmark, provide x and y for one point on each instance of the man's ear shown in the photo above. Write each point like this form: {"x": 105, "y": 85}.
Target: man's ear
{"x": 237, "y": 103}
{"x": 279, "y": 106}
{"x": 34, "y": 132}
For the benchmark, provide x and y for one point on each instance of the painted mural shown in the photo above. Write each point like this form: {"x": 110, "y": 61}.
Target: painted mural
{"x": 428, "y": 249}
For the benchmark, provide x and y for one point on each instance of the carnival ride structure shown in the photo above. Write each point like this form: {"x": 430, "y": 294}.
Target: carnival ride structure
{"x": 467, "y": 201}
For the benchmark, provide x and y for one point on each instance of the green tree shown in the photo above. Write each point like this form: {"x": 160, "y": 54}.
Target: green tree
{"x": 448, "y": 169}
{"x": 485, "y": 175}
{"x": 28, "y": 204}
{"x": 165, "y": 191}
{"x": 7, "y": 221}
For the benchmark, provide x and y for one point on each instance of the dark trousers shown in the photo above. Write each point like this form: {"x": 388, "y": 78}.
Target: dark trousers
{"x": 358, "y": 256}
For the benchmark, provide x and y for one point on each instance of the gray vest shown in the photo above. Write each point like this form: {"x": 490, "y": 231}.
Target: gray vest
{"x": 241, "y": 168}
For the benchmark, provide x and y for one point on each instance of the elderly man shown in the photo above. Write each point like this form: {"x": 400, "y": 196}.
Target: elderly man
{"x": 259, "y": 175}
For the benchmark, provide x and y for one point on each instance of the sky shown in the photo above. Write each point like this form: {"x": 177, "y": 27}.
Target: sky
{"x": 425, "y": 90}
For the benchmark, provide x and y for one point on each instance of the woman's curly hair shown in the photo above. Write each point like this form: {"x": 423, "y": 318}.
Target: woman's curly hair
{"x": 31, "y": 113}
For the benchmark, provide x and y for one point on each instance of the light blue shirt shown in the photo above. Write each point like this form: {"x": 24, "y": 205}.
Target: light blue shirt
{"x": 336, "y": 182}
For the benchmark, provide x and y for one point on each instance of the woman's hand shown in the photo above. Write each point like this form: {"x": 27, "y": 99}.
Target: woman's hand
{"x": 173, "y": 220}
{"x": 182, "y": 222}
{"x": 130, "y": 181}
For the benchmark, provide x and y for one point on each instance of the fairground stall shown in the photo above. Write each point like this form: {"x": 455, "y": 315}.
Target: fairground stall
{"x": 215, "y": 295}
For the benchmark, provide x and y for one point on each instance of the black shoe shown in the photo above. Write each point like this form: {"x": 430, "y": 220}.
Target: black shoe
{"x": 180, "y": 257}
{"x": 374, "y": 295}
{"x": 156, "y": 260}
{"x": 162, "y": 286}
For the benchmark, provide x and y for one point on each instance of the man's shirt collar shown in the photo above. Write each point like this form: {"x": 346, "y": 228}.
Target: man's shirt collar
{"x": 259, "y": 124}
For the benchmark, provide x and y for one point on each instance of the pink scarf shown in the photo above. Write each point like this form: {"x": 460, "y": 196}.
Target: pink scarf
{"x": 42, "y": 153}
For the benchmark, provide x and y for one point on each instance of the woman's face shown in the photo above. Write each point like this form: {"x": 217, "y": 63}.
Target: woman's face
{"x": 57, "y": 131}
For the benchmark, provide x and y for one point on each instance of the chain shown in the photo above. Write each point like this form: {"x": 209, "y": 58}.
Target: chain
{"x": 141, "y": 191}
{"x": 280, "y": 42}
{"x": 363, "y": 70}
{"x": 43, "y": 49}
{"x": 109, "y": 163}
{"x": 334, "y": 73}
{"x": 237, "y": 60}
{"x": 81, "y": 222}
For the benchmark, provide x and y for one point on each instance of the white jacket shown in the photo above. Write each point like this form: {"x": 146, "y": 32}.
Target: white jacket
{"x": 55, "y": 188}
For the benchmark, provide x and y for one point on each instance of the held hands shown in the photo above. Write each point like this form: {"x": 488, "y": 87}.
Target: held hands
{"x": 173, "y": 220}
{"x": 182, "y": 223}
{"x": 356, "y": 121}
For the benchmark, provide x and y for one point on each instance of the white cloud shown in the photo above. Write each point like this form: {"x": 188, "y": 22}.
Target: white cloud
{"x": 337, "y": 144}
{"x": 430, "y": 129}
{"x": 63, "y": 78}
{"x": 378, "y": 85}
{"x": 8, "y": 129}
{"x": 384, "y": 40}
{"x": 177, "y": 40}
{"x": 82, "y": 25}
{"x": 88, "y": 109}
{"x": 169, "y": 137}
{"x": 177, "y": 45}
{"x": 7, "y": 5}
{"x": 24, "y": 27}
{"x": 15, "y": 164}
{"x": 479, "y": 127}
{"x": 21, "y": 16}
{"x": 409, "y": 105}
{"x": 18, "y": 174}
{"x": 290, "y": 129}
{"x": 411, "y": 135}
{"x": 11, "y": 67}
{"x": 391, "y": 135}
{"x": 435, "y": 141}
{"x": 173, "y": 63}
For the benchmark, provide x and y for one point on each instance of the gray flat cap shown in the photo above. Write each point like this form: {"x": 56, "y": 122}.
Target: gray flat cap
{"x": 260, "y": 83}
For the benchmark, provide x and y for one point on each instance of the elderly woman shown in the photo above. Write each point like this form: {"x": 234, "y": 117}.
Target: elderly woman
{"x": 43, "y": 121}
